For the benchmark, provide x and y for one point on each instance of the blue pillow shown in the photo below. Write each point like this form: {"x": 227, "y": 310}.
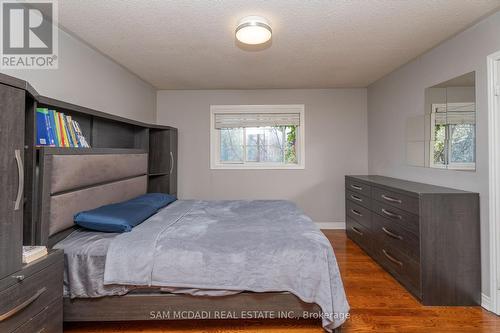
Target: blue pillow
{"x": 157, "y": 200}
{"x": 119, "y": 217}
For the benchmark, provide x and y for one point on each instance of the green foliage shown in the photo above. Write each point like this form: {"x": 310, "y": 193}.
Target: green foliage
{"x": 439, "y": 144}
{"x": 290, "y": 151}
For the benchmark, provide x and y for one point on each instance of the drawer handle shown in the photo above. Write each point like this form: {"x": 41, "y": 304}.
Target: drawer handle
{"x": 391, "y": 215}
{"x": 355, "y": 212}
{"x": 357, "y": 187}
{"x": 357, "y": 231}
{"x": 391, "y": 199}
{"x": 355, "y": 197}
{"x": 391, "y": 258}
{"x": 391, "y": 234}
{"x": 23, "y": 305}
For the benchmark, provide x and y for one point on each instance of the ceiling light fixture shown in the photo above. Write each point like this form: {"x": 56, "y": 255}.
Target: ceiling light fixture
{"x": 253, "y": 30}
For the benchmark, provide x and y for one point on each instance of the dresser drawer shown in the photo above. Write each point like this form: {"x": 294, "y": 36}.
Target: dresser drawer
{"x": 397, "y": 216}
{"x": 388, "y": 232}
{"x": 394, "y": 199}
{"x": 402, "y": 267}
{"x": 359, "y": 234}
{"x": 23, "y": 300}
{"x": 50, "y": 320}
{"x": 358, "y": 198}
{"x": 358, "y": 213}
{"x": 358, "y": 187}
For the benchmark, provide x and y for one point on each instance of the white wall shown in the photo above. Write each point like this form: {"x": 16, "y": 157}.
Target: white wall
{"x": 88, "y": 78}
{"x": 400, "y": 95}
{"x": 336, "y": 144}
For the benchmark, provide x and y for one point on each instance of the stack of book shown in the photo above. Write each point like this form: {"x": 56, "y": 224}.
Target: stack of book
{"x": 32, "y": 253}
{"x": 55, "y": 129}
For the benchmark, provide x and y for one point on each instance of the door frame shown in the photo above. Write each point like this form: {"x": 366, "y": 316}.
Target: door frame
{"x": 494, "y": 181}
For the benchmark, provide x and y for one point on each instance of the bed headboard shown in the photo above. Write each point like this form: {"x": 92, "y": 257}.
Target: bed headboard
{"x": 71, "y": 182}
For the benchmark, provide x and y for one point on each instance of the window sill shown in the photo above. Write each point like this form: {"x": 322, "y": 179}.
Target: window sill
{"x": 256, "y": 167}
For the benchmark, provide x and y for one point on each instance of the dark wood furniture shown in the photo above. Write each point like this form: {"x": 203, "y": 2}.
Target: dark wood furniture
{"x": 163, "y": 161}
{"x": 426, "y": 236}
{"x": 11, "y": 177}
{"x": 31, "y": 298}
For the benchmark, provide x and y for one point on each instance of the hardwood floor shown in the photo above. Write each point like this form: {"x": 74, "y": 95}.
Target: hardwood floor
{"x": 378, "y": 304}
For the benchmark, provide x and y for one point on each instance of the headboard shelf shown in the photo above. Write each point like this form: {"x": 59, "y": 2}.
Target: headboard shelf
{"x": 88, "y": 151}
{"x": 107, "y": 134}
{"x": 157, "y": 174}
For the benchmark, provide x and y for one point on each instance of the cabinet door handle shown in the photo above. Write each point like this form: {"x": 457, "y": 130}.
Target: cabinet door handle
{"x": 20, "y": 183}
{"x": 171, "y": 162}
{"x": 355, "y": 197}
{"x": 391, "y": 258}
{"x": 356, "y": 231}
{"x": 391, "y": 215}
{"x": 356, "y": 187}
{"x": 23, "y": 305}
{"x": 391, "y": 234}
{"x": 391, "y": 199}
{"x": 355, "y": 212}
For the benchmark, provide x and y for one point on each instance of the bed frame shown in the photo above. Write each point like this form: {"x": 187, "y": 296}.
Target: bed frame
{"x": 61, "y": 184}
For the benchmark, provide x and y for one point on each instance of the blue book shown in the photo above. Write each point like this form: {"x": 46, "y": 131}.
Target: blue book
{"x": 42, "y": 138}
{"x": 50, "y": 134}
{"x": 53, "y": 125}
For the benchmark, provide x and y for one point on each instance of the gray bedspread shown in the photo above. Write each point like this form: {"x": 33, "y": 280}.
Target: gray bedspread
{"x": 84, "y": 259}
{"x": 259, "y": 246}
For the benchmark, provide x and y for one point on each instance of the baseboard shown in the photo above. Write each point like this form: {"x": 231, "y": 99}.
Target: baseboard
{"x": 486, "y": 302}
{"x": 331, "y": 225}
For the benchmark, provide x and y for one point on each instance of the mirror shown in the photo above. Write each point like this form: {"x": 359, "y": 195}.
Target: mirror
{"x": 444, "y": 136}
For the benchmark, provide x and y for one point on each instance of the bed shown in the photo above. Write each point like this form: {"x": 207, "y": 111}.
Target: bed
{"x": 193, "y": 259}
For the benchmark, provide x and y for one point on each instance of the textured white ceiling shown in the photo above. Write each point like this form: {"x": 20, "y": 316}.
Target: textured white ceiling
{"x": 315, "y": 44}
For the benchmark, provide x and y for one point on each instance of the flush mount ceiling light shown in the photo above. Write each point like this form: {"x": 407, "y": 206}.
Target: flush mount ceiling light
{"x": 253, "y": 30}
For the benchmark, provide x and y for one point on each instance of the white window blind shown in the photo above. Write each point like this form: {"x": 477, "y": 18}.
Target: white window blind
{"x": 237, "y": 120}
{"x": 455, "y": 113}
{"x": 455, "y": 118}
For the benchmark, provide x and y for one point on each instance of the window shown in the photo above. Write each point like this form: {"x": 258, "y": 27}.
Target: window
{"x": 453, "y": 136}
{"x": 257, "y": 136}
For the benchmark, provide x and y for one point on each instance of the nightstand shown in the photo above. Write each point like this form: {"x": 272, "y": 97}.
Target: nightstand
{"x": 31, "y": 299}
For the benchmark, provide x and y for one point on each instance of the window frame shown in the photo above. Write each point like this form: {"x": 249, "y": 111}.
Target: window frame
{"x": 460, "y": 166}
{"x": 215, "y": 163}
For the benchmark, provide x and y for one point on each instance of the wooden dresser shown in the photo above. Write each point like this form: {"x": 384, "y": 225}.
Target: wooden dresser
{"x": 426, "y": 236}
{"x": 31, "y": 299}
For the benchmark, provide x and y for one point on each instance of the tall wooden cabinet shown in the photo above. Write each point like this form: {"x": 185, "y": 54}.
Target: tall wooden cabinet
{"x": 12, "y": 113}
{"x": 163, "y": 161}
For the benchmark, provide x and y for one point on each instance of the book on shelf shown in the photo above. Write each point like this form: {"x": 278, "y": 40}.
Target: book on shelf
{"x": 44, "y": 134}
{"x": 32, "y": 253}
{"x": 68, "y": 133}
{"x": 79, "y": 134}
{"x": 72, "y": 131}
{"x": 55, "y": 129}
